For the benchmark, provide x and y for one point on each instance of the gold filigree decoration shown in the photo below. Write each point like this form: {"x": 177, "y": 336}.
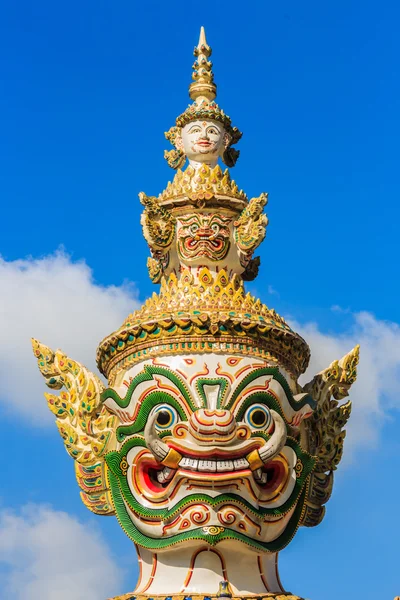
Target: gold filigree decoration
{"x": 175, "y": 158}
{"x": 154, "y": 267}
{"x": 250, "y": 227}
{"x": 217, "y": 306}
{"x": 203, "y": 85}
{"x": 299, "y": 467}
{"x": 123, "y": 465}
{"x": 158, "y": 224}
{"x": 325, "y": 429}
{"x": 202, "y": 185}
{"x": 86, "y": 427}
{"x": 213, "y": 529}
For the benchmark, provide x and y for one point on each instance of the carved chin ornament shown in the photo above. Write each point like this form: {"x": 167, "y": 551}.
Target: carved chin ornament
{"x": 203, "y": 442}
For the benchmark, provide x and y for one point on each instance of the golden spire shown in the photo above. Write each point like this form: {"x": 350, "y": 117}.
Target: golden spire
{"x": 203, "y": 86}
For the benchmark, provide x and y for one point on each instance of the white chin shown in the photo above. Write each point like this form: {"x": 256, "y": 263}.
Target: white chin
{"x": 205, "y": 156}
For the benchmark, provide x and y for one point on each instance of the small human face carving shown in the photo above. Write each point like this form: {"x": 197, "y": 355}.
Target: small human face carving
{"x": 203, "y": 141}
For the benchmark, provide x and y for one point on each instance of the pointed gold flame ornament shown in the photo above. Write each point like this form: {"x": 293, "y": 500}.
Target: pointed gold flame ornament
{"x": 203, "y": 86}
{"x": 203, "y": 443}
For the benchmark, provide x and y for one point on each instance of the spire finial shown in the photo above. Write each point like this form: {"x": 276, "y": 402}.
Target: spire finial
{"x": 203, "y": 86}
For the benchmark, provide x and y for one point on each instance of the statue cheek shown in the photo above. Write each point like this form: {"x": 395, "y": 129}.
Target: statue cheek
{"x": 192, "y": 140}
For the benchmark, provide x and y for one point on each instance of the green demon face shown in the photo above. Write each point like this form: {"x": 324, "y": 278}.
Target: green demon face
{"x": 203, "y": 236}
{"x": 208, "y": 450}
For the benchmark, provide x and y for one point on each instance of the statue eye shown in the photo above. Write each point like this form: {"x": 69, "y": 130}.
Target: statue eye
{"x": 195, "y": 130}
{"x": 193, "y": 229}
{"x": 166, "y": 416}
{"x": 212, "y": 130}
{"x": 258, "y": 416}
{"x": 215, "y": 227}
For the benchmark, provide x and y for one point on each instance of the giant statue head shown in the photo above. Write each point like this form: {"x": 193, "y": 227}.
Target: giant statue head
{"x": 203, "y": 443}
{"x": 209, "y": 451}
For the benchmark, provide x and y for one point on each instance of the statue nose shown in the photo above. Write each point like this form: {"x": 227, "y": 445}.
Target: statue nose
{"x": 217, "y": 426}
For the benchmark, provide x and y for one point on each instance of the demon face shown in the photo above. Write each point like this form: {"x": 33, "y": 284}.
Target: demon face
{"x": 203, "y": 236}
{"x": 208, "y": 450}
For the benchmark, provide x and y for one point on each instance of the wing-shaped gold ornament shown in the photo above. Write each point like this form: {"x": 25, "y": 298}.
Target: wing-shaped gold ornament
{"x": 86, "y": 427}
{"x": 158, "y": 224}
{"x": 159, "y": 232}
{"x": 251, "y": 226}
{"x": 325, "y": 429}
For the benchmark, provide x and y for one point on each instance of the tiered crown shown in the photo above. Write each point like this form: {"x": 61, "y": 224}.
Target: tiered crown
{"x": 213, "y": 315}
{"x": 202, "y": 232}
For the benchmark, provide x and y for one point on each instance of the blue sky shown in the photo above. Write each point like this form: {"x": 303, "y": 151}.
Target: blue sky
{"x": 87, "y": 90}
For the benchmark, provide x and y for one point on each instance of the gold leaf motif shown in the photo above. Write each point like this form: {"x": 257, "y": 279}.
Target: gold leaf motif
{"x": 216, "y": 306}
{"x": 202, "y": 184}
{"x": 299, "y": 468}
{"x": 123, "y": 465}
{"x": 86, "y": 427}
{"x": 158, "y": 224}
{"x": 250, "y": 227}
{"x": 325, "y": 429}
{"x": 213, "y": 529}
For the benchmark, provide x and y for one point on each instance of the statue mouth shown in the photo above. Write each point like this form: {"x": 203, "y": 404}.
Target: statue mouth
{"x": 208, "y": 236}
{"x": 255, "y": 463}
{"x": 204, "y": 146}
{"x": 205, "y": 245}
{"x": 205, "y": 237}
{"x": 157, "y": 480}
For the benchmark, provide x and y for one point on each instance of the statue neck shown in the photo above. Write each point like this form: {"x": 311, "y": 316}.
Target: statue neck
{"x": 200, "y": 570}
{"x": 197, "y": 165}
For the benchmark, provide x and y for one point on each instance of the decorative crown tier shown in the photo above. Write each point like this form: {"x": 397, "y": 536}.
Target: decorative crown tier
{"x": 213, "y": 315}
{"x": 203, "y": 186}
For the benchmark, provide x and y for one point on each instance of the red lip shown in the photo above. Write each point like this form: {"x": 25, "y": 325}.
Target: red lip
{"x": 228, "y": 454}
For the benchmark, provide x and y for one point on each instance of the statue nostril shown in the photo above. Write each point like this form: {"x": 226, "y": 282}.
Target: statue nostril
{"x": 209, "y": 422}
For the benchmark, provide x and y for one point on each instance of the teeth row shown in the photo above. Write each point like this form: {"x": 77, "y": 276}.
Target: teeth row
{"x": 212, "y": 466}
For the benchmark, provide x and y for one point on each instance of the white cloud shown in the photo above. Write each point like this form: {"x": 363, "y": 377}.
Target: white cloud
{"x": 375, "y": 392}
{"x": 47, "y": 555}
{"x": 56, "y": 301}
{"x": 272, "y": 291}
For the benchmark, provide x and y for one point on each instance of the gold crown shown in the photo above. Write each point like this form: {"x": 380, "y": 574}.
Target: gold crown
{"x": 208, "y": 110}
{"x": 203, "y": 185}
{"x": 213, "y": 314}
